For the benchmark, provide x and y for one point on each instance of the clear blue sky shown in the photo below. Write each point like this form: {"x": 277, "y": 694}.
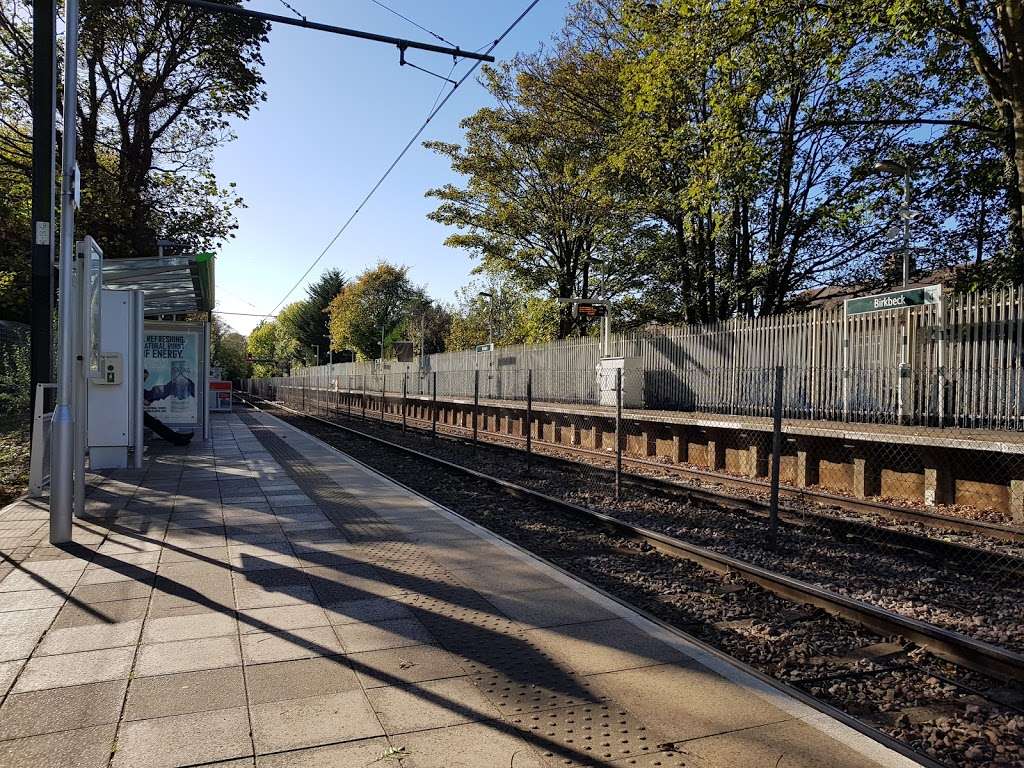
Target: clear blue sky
{"x": 338, "y": 110}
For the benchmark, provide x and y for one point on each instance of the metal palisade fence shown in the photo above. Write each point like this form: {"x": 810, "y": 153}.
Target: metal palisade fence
{"x": 957, "y": 363}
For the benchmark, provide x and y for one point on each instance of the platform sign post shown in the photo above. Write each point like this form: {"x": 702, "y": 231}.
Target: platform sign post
{"x": 383, "y": 394}
{"x": 773, "y": 503}
{"x": 618, "y": 432}
{"x": 433, "y": 406}
{"x": 476, "y": 404}
{"x": 529, "y": 416}
{"x": 906, "y": 298}
{"x": 405, "y": 390}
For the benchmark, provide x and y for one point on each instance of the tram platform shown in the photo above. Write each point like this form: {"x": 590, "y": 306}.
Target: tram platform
{"x": 262, "y": 600}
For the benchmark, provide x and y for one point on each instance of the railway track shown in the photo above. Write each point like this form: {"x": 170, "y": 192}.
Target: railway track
{"x": 887, "y": 658}
{"x": 805, "y": 496}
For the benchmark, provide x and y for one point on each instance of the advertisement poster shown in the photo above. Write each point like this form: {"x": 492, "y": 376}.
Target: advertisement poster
{"x": 170, "y": 362}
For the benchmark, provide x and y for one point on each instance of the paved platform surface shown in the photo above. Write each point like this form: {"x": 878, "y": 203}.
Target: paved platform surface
{"x": 262, "y": 601}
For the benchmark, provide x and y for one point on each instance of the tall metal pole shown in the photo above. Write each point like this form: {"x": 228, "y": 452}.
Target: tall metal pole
{"x": 383, "y": 394}
{"x": 433, "y": 407}
{"x": 773, "y": 503}
{"x": 529, "y": 416}
{"x": 476, "y": 403}
{"x": 906, "y": 227}
{"x": 63, "y": 427}
{"x": 405, "y": 389}
{"x": 618, "y": 432}
{"x": 44, "y": 139}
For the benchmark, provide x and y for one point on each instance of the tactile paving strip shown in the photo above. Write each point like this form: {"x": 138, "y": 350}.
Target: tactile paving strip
{"x": 598, "y": 731}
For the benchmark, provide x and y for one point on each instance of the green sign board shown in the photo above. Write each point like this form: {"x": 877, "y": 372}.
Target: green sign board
{"x": 910, "y": 297}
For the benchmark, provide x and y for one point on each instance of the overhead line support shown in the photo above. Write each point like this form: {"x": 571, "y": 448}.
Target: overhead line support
{"x": 401, "y": 43}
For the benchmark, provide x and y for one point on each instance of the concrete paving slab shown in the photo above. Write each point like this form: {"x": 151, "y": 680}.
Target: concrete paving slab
{"x": 57, "y": 709}
{"x": 83, "y": 748}
{"x": 468, "y": 746}
{"x": 184, "y": 693}
{"x": 188, "y": 656}
{"x": 313, "y": 721}
{"x": 107, "y": 613}
{"x": 786, "y": 745}
{"x": 18, "y": 646}
{"x": 549, "y": 607}
{"x": 90, "y": 637}
{"x": 193, "y": 627}
{"x": 300, "y": 678}
{"x": 394, "y": 633}
{"x": 288, "y": 594}
{"x": 367, "y": 752}
{"x": 266, "y": 647}
{"x": 410, "y": 664}
{"x": 285, "y": 617}
{"x": 181, "y": 740}
{"x": 434, "y": 704}
{"x": 602, "y": 646}
{"x": 22, "y": 622}
{"x": 8, "y": 672}
{"x": 74, "y": 669}
{"x": 713, "y": 705}
{"x": 373, "y": 609}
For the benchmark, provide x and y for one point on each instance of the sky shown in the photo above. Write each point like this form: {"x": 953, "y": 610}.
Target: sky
{"x": 338, "y": 111}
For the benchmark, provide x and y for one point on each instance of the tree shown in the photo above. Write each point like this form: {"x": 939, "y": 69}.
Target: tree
{"x": 228, "y": 350}
{"x": 509, "y": 316}
{"x": 159, "y": 85}
{"x": 377, "y": 304}
{"x": 530, "y": 208}
{"x": 261, "y": 346}
{"x": 991, "y": 36}
{"x": 311, "y": 321}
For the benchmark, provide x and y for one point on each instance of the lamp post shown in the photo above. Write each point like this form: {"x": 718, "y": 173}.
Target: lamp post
{"x": 898, "y": 169}
{"x": 490, "y": 314}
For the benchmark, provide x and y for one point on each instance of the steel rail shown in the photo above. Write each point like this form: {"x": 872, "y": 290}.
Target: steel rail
{"x": 824, "y": 498}
{"x": 953, "y": 646}
{"x": 962, "y": 553}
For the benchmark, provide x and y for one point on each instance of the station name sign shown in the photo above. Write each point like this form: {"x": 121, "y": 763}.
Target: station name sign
{"x": 909, "y": 297}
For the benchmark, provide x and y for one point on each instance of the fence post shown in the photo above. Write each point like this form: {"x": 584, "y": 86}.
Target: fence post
{"x": 405, "y": 382}
{"x": 476, "y": 403}
{"x": 618, "y": 432}
{"x": 433, "y": 407}
{"x": 302, "y": 383}
{"x": 364, "y": 397}
{"x": 383, "y": 394}
{"x": 529, "y": 416}
{"x": 773, "y": 504}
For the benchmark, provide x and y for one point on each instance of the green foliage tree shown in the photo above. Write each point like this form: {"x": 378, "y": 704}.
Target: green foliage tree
{"x": 228, "y": 350}
{"x": 509, "y": 316}
{"x": 159, "y": 87}
{"x": 261, "y": 346}
{"x": 380, "y": 302}
{"x": 311, "y": 321}
{"x": 531, "y": 208}
{"x": 990, "y": 36}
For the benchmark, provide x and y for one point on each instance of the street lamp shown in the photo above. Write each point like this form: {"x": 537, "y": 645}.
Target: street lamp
{"x": 490, "y": 314}
{"x": 898, "y": 169}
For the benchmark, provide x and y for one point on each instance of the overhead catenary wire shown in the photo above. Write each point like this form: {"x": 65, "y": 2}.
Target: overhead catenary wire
{"x": 437, "y": 108}
{"x": 418, "y": 26}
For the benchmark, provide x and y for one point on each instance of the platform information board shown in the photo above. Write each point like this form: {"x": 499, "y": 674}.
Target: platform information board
{"x": 170, "y": 362}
